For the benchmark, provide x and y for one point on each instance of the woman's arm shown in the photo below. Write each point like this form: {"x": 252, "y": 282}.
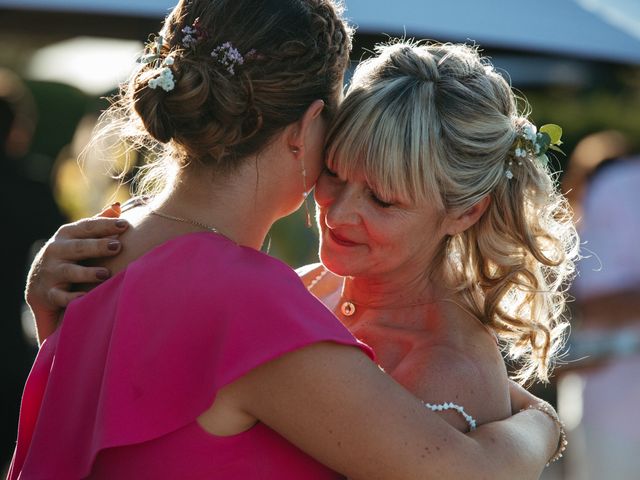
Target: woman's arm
{"x": 55, "y": 267}
{"x": 332, "y": 401}
{"x": 335, "y": 404}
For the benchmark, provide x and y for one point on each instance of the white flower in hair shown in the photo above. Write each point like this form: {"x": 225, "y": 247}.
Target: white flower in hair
{"x": 529, "y": 132}
{"x": 520, "y": 152}
{"x": 165, "y": 79}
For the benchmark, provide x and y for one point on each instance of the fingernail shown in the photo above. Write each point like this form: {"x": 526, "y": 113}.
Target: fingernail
{"x": 121, "y": 223}
{"x": 115, "y": 204}
{"x": 102, "y": 274}
{"x": 113, "y": 245}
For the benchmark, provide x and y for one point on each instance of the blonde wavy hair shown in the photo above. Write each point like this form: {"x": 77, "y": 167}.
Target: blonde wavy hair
{"x": 436, "y": 123}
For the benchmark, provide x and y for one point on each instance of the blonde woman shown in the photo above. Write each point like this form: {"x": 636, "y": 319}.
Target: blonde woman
{"x": 442, "y": 232}
{"x": 324, "y": 396}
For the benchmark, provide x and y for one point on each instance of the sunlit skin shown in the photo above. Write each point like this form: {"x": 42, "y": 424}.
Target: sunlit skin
{"x": 384, "y": 244}
{"x": 378, "y": 252}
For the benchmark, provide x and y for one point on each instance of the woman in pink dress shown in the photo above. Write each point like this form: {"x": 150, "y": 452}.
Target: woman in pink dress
{"x": 202, "y": 357}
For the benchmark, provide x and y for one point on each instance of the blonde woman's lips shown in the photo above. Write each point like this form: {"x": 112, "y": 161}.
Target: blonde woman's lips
{"x": 342, "y": 241}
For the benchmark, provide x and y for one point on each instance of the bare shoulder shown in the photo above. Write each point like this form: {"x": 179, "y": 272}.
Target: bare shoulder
{"x": 474, "y": 379}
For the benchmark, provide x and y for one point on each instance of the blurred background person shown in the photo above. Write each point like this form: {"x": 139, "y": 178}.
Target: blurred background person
{"x": 30, "y": 215}
{"x": 587, "y": 156}
{"x": 600, "y": 392}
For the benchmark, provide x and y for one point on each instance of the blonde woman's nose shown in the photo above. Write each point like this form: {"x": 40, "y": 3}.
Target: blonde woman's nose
{"x": 345, "y": 208}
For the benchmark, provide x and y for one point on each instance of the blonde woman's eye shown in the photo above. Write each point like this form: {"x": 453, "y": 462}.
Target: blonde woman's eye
{"x": 379, "y": 202}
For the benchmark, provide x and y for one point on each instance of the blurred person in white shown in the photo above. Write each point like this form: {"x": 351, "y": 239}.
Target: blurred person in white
{"x": 590, "y": 152}
{"x": 599, "y": 403}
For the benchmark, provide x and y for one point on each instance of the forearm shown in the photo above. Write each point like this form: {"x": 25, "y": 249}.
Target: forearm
{"x": 46, "y": 320}
{"x": 46, "y": 324}
{"x": 320, "y": 399}
{"x": 518, "y": 447}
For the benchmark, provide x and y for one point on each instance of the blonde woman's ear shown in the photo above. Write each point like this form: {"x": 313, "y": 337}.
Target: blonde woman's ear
{"x": 459, "y": 222}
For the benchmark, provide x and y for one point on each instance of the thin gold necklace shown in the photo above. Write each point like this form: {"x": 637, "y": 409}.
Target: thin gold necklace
{"x": 184, "y": 220}
{"x": 348, "y": 307}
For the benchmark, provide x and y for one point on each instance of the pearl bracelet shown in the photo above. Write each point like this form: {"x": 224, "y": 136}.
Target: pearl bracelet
{"x": 452, "y": 406}
{"x": 544, "y": 407}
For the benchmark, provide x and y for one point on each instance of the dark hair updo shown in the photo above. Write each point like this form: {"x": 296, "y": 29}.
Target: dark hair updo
{"x": 294, "y": 52}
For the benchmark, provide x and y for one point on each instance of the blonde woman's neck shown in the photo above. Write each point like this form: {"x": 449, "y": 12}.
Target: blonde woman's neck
{"x": 387, "y": 291}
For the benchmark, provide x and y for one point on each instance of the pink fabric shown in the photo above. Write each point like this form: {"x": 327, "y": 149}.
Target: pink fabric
{"x": 115, "y": 391}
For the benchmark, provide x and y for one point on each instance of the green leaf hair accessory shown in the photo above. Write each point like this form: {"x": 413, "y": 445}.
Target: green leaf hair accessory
{"x": 533, "y": 143}
{"x": 554, "y": 132}
{"x": 153, "y": 50}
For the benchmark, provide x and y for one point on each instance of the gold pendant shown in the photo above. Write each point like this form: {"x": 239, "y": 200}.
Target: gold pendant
{"x": 347, "y": 308}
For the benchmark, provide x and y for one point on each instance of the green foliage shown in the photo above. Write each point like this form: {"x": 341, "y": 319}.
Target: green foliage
{"x": 60, "y": 108}
{"x": 549, "y": 136}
